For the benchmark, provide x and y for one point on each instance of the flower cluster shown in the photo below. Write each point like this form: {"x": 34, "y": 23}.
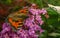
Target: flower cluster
{"x": 31, "y": 27}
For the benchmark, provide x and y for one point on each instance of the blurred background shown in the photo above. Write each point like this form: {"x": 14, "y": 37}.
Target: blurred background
{"x": 51, "y": 25}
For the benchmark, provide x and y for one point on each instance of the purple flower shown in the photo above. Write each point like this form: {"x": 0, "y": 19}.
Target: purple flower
{"x": 6, "y": 28}
{"x": 15, "y": 36}
{"x": 37, "y": 11}
{"x": 29, "y": 21}
{"x": 41, "y": 22}
{"x": 0, "y": 35}
{"x": 41, "y": 30}
{"x": 35, "y": 27}
{"x": 44, "y": 11}
{"x": 33, "y": 11}
{"x": 38, "y": 17}
{"x": 5, "y": 25}
{"x": 6, "y": 36}
{"x": 22, "y": 33}
{"x": 32, "y": 34}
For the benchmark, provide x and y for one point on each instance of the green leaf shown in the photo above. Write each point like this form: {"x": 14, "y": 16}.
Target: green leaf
{"x": 44, "y": 34}
{"x": 6, "y": 2}
{"x": 53, "y": 16}
{"x": 54, "y": 34}
{"x": 54, "y": 2}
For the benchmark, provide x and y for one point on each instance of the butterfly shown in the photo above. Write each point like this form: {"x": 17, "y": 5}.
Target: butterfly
{"x": 16, "y": 19}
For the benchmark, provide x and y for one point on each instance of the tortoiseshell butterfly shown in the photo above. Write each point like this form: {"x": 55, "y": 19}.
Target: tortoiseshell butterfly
{"x": 16, "y": 19}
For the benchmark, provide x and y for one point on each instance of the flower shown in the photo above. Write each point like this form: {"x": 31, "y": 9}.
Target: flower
{"x": 33, "y": 11}
{"x": 5, "y": 25}
{"x": 38, "y": 17}
{"x": 31, "y": 25}
{"x": 35, "y": 27}
{"x": 15, "y": 36}
{"x": 44, "y": 11}
{"x": 32, "y": 34}
{"x": 6, "y": 28}
{"x": 41, "y": 30}
{"x": 6, "y": 36}
{"x": 22, "y": 33}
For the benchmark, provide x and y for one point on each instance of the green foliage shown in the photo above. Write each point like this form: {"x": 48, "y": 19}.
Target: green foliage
{"x": 53, "y": 16}
{"x": 40, "y": 3}
{"x": 54, "y": 2}
{"x": 51, "y": 26}
{"x": 6, "y": 2}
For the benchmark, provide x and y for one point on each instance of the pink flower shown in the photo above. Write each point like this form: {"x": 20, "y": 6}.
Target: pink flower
{"x": 33, "y": 11}
{"x": 44, "y": 11}
{"x": 41, "y": 30}
{"x": 38, "y": 17}
{"x": 41, "y": 22}
{"x": 6, "y": 36}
